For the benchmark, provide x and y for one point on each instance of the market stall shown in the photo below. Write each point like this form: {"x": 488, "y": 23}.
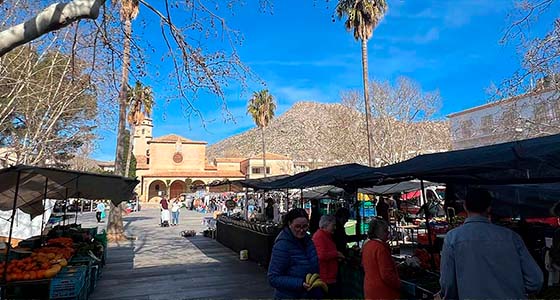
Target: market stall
{"x": 66, "y": 262}
{"x": 257, "y": 238}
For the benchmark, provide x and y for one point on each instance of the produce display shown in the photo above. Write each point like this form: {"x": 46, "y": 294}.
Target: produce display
{"x": 258, "y": 226}
{"x": 65, "y": 248}
{"x": 425, "y": 258}
{"x": 43, "y": 263}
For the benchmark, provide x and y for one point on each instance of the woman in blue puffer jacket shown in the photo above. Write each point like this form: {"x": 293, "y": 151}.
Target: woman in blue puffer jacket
{"x": 293, "y": 257}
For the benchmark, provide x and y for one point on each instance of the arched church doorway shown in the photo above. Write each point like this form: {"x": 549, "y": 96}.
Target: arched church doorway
{"x": 177, "y": 188}
{"x": 157, "y": 188}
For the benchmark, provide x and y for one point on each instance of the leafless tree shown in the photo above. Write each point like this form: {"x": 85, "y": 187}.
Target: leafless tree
{"x": 47, "y": 107}
{"x": 403, "y": 119}
{"x": 539, "y": 54}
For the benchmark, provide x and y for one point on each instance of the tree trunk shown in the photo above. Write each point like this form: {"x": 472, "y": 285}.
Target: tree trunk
{"x": 52, "y": 18}
{"x": 263, "y": 150}
{"x": 367, "y": 103}
{"x": 115, "y": 227}
{"x": 129, "y": 154}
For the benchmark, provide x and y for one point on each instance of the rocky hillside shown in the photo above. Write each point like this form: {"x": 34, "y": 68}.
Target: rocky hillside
{"x": 332, "y": 133}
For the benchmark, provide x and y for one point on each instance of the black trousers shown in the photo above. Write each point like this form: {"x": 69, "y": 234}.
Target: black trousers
{"x": 98, "y": 216}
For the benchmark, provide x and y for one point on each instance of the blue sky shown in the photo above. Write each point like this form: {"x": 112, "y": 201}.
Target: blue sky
{"x": 301, "y": 54}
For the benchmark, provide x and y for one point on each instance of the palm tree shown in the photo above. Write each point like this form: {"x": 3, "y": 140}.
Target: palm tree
{"x": 141, "y": 101}
{"x": 128, "y": 12}
{"x": 362, "y": 18}
{"x": 261, "y": 107}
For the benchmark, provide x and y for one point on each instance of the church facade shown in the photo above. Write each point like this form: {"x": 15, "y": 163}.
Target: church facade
{"x": 171, "y": 165}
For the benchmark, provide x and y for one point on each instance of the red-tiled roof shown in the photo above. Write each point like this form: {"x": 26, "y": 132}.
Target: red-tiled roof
{"x": 210, "y": 167}
{"x": 230, "y": 159}
{"x": 270, "y": 156}
{"x": 173, "y": 138}
{"x": 219, "y": 174}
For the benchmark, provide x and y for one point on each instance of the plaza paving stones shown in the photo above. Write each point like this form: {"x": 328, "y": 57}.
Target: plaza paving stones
{"x": 160, "y": 264}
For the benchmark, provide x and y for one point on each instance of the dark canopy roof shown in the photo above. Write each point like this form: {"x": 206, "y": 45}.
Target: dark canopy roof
{"x": 388, "y": 189}
{"x": 335, "y": 176}
{"x": 514, "y": 200}
{"x": 61, "y": 184}
{"x": 529, "y": 161}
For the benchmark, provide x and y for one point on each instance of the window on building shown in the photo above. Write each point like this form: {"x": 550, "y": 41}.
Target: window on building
{"x": 157, "y": 187}
{"x": 259, "y": 170}
{"x": 143, "y": 130}
{"x": 510, "y": 118}
{"x": 487, "y": 124}
{"x": 556, "y": 108}
{"x": 467, "y": 128}
{"x": 541, "y": 113}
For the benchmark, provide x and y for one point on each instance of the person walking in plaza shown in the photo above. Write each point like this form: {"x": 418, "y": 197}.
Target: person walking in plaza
{"x": 175, "y": 207}
{"x": 328, "y": 255}
{"x": 99, "y": 211}
{"x": 381, "y": 279}
{"x": 164, "y": 208}
{"x": 481, "y": 260}
{"x": 293, "y": 257}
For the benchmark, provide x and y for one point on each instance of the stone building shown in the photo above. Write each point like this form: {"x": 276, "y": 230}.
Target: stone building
{"x": 533, "y": 114}
{"x": 171, "y": 165}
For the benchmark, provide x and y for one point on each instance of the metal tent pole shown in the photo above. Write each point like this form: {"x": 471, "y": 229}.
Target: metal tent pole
{"x": 358, "y": 215}
{"x": 5, "y": 273}
{"x": 44, "y": 208}
{"x": 77, "y": 199}
{"x": 65, "y": 208}
{"x": 430, "y": 242}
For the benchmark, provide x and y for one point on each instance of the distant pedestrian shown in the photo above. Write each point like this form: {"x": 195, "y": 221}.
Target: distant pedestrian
{"x": 293, "y": 257}
{"x": 99, "y": 211}
{"x": 164, "y": 207}
{"x": 175, "y": 207}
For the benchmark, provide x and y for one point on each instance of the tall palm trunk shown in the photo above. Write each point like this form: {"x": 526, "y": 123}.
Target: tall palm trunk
{"x": 115, "y": 227}
{"x": 367, "y": 103}
{"x": 263, "y": 150}
{"x": 130, "y": 149}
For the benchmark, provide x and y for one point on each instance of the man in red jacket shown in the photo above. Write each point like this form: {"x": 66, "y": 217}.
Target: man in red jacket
{"x": 328, "y": 255}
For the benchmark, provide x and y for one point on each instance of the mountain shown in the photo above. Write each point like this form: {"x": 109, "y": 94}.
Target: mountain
{"x": 333, "y": 134}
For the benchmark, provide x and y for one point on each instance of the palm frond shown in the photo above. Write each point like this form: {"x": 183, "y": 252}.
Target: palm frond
{"x": 362, "y": 16}
{"x": 261, "y": 107}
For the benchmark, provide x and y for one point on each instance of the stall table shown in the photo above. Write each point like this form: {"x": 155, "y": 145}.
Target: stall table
{"x": 237, "y": 238}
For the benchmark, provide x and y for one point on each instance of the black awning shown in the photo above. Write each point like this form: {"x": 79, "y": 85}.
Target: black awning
{"x": 528, "y": 161}
{"x": 60, "y": 184}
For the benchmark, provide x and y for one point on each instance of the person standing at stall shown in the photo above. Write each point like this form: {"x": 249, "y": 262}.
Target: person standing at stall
{"x": 382, "y": 208}
{"x": 328, "y": 255}
{"x": 293, "y": 257}
{"x": 340, "y": 237}
{"x": 481, "y": 260}
{"x": 381, "y": 279}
